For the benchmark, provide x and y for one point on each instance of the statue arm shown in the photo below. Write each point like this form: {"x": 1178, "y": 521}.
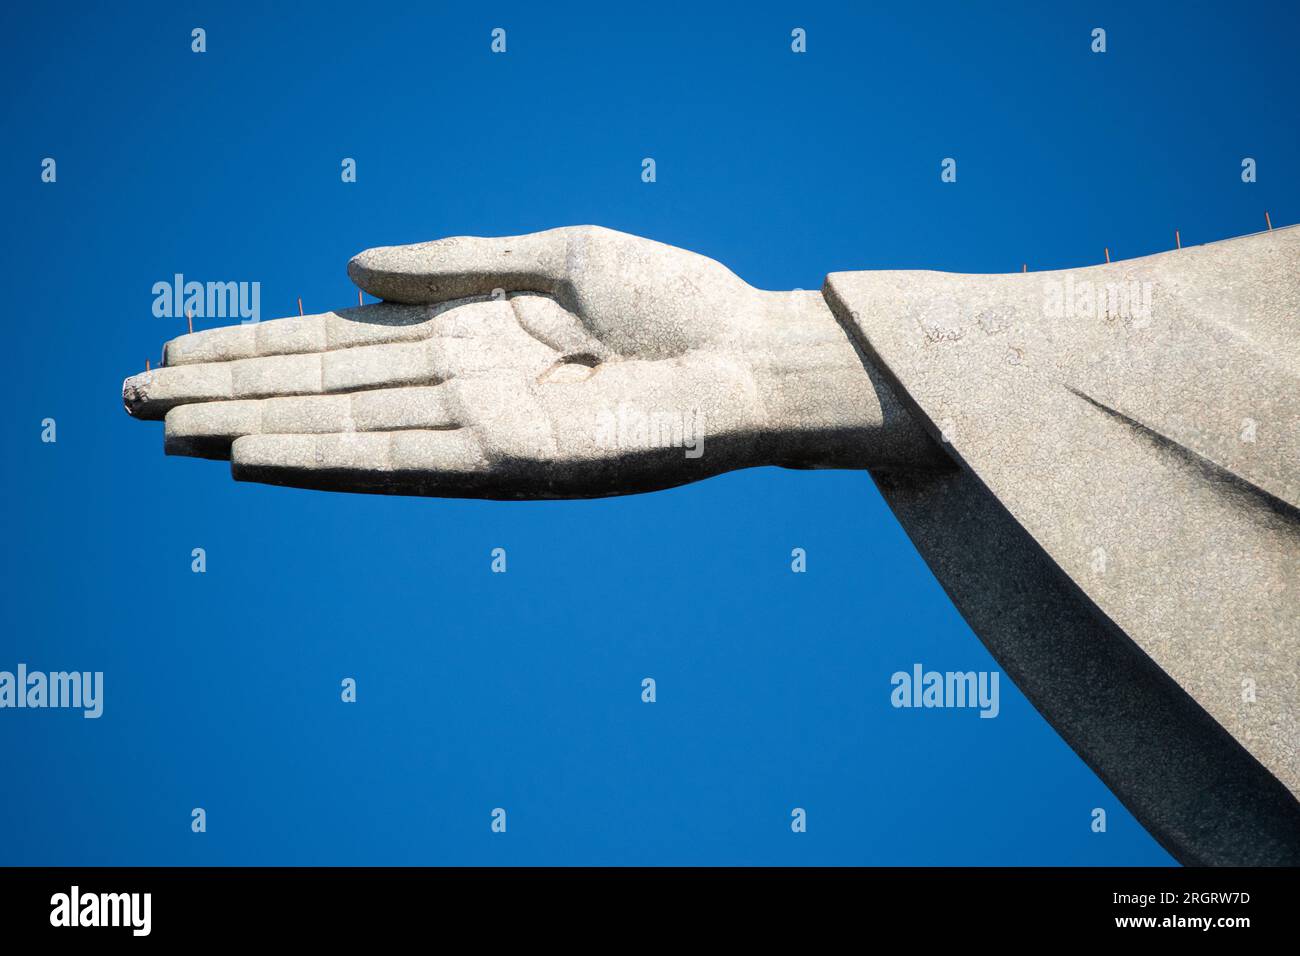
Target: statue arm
{"x": 578, "y": 362}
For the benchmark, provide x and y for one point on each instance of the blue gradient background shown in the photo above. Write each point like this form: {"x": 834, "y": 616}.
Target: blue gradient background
{"x": 523, "y": 690}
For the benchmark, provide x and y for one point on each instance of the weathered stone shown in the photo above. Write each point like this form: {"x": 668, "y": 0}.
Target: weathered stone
{"x": 1101, "y": 466}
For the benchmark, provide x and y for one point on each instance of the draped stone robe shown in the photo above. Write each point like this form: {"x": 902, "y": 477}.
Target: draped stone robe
{"x": 1121, "y": 526}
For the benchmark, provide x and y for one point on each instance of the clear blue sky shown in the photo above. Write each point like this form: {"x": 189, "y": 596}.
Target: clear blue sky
{"x": 522, "y": 690}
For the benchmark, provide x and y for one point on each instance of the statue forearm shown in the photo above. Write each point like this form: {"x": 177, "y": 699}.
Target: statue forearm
{"x": 825, "y": 404}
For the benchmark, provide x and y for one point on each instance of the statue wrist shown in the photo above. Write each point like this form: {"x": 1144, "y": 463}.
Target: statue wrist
{"x": 825, "y": 404}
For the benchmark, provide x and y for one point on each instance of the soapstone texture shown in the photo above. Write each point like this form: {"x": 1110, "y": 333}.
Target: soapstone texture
{"x": 1101, "y": 465}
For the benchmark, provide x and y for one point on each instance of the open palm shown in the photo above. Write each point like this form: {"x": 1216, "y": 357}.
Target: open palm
{"x": 574, "y": 362}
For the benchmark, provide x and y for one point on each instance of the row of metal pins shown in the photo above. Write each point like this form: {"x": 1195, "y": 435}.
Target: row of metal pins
{"x": 1024, "y": 268}
{"x": 1178, "y": 241}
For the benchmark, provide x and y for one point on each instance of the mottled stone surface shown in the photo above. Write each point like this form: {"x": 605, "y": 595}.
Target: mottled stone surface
{"x": 1101, "y": 466}
{"x": 577, "y": 362}
{"x": 1152, "y": 456}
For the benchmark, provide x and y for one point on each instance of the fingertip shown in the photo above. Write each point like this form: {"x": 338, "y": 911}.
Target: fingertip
{"x": 358, "y": 265}
{"x": 135, "y": 397}
{"x": 366, "y": 266}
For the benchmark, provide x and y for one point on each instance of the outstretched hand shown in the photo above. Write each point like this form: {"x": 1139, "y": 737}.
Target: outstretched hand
{"x": 576, "y": 362}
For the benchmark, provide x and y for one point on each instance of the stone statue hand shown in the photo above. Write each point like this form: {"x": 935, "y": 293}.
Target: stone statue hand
{"x": 576, "y": 362}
